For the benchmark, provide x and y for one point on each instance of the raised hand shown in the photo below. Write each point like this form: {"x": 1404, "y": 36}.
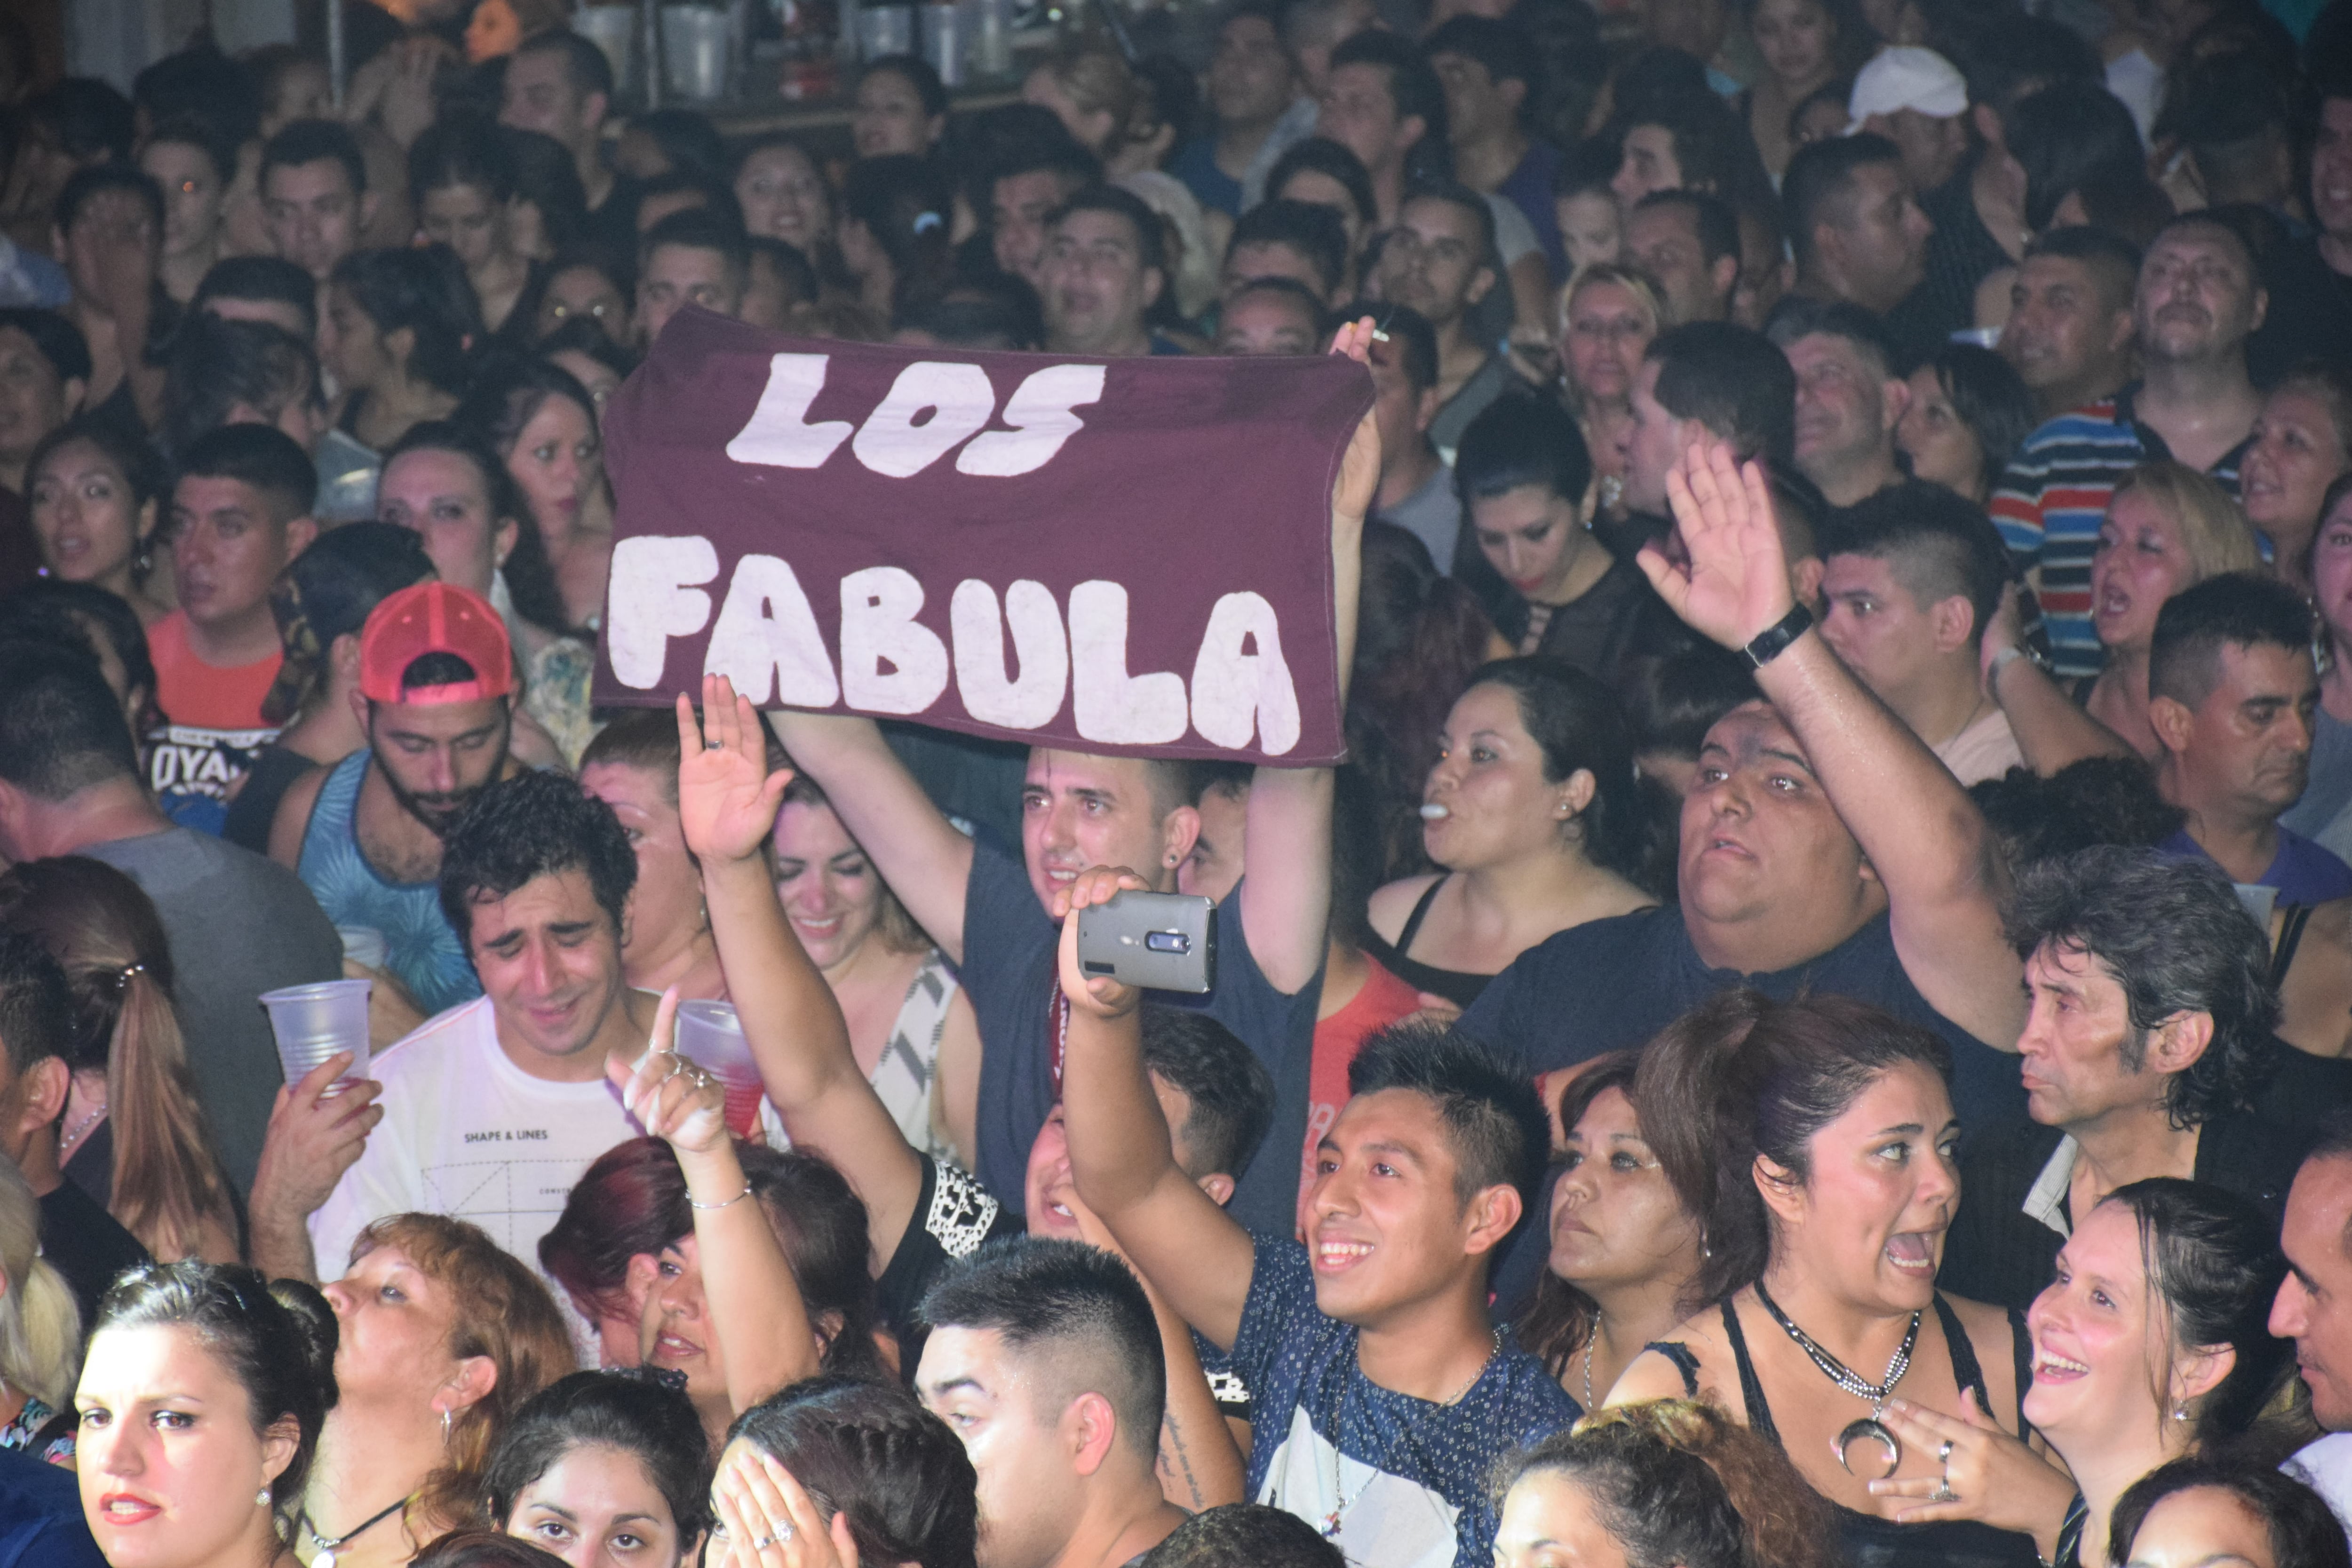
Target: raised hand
{"x": 771, "y": 1521}
{"x": 1735, "y": 581}
{"x": 726, "y": 799}
{"x": 1097, "y": 994}
{"x": 1360, "y": 468}
{"x": 1987, "y": 1475}
{"x": 671, "y": 1097}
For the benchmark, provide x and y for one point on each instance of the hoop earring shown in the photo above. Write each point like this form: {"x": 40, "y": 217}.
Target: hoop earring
{"x": 444, "y": 1428}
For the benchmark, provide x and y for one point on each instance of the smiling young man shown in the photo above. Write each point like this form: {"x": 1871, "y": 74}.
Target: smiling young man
{"x": 492, "y": 1110}
{"x": 1383, "y": 1397}
{"x": 240, "y": 511}
{"x": 436, "y": 699}
{"x": 2147, "y": 1034}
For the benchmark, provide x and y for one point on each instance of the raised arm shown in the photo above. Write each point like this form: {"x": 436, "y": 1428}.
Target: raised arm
{"x": 756, "y": 1312}
{"x": 1190, "y": 1250}
{"x": 1925, "y": 838}
{"x": 727, "y": 800}
{"x": 1287, "y": 891}
{"x": 919, "y": 852}
{"x": 2052, "y": 729}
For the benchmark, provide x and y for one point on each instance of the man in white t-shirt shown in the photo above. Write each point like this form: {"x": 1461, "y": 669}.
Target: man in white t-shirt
{"x": 492, "y": 1110}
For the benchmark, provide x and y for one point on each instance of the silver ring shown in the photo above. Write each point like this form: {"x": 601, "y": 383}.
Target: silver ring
{"x": 763, "y": 1543}
{"x": 1944, "y": 1492}
{"x": 1944, "y": 1454}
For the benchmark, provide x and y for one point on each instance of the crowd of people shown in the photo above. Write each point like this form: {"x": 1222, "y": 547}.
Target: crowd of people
{"x": 1813, "y": 1026}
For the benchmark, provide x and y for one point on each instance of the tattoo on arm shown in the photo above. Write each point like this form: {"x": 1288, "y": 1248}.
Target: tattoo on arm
{"x": 1175, "y": 1444}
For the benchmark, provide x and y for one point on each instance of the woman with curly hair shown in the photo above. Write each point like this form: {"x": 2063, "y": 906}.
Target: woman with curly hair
{"x": 1671, "y": 1484}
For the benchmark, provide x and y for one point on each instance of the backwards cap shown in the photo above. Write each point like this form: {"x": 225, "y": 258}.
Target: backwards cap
{"x": 435, "y": 617}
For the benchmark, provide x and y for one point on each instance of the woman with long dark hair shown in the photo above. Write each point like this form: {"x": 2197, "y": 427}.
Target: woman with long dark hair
{"x": 1624, "y": 1251}
{"x": 613, "y": 1463}
{"x": 1816, "y": 1141}
{"x": 397, "y": 328}
{"x": 538, "y": 418}
{"x": 1535, "y": 820}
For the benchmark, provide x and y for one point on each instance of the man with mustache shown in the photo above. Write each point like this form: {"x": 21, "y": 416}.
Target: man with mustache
{"x": 2196, "y": 303}
{"x": 437, "y": 699}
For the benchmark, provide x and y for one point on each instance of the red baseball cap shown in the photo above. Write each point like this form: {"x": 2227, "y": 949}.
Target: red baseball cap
{"x": 435, "y": 617}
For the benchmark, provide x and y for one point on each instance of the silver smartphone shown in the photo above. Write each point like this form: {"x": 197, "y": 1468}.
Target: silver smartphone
{"x": 1162, "y": 942}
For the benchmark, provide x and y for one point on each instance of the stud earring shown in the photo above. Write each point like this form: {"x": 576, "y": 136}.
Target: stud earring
{"x": 261, "y": 1498}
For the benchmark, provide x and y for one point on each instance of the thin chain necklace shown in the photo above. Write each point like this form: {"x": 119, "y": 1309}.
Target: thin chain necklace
{"x": 1342, "y": 1501}
{"x": 329, "y": 1545}
{"x": 1589, "y": 1340}
{"x": 1836, "y": 1371}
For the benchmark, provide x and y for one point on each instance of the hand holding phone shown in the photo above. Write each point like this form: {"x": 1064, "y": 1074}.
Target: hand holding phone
{"x": 1160, "y": 941}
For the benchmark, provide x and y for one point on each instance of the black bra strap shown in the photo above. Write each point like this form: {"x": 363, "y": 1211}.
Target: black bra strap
{"x": 1751, "y": 1392}
{"x": 1685, "y": 1362}
{"x": 2290, "y": 938}
{"x": 1420, "y": 913}
{"x": 1967, "y": 1371}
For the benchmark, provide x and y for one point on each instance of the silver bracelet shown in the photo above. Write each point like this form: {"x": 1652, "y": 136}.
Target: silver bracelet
{"x": 730, "y": 1203}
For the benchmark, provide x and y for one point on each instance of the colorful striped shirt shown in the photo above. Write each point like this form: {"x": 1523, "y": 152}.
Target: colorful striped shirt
{"x": 2053, "y": 499}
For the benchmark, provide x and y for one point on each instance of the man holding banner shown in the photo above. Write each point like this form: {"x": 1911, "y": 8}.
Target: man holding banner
{"x": 795, "y": 519}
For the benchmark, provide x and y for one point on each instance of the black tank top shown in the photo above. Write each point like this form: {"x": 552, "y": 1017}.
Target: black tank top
{"x": 1456, "y": 985}
{"x": 1868, "y": 1541}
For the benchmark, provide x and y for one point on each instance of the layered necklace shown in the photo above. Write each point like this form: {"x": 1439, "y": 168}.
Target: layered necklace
{"x": 1853, "y": 1383}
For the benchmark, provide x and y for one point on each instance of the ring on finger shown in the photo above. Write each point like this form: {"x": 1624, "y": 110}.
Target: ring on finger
{"x": 1943, "y": 1492}
{"x": 1944, "y": 1453}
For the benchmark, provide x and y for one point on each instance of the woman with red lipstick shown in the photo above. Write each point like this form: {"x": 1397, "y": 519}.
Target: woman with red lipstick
{"x": 1816, "y": 1141}
{"x": 543, "y": 424}
{"x": 1534, "y": 819}
{"x": 1624, "y": 1251}
{"x": 2168, "y": 528}
{"x": 2302, "y": 445}
{"x": 200, "y": 1402}
{"x": 441, "y": 1337}
{"x": 2152, "y": 1342}
{"x": 97, "y": 496}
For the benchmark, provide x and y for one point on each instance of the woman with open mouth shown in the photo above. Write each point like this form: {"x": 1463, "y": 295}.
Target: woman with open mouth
{"x": 1815, "y": 1139}
{"x": 2151, "y": 1343}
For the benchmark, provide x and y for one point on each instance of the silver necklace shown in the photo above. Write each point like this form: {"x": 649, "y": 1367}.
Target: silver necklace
{"x": 1342, "y": 1501}
{"x": 1852, "y": 1381}
{"x": 73, "y": 1134}
{"x": 1589, "y": 1340}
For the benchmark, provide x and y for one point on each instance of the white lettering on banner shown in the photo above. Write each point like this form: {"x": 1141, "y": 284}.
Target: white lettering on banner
{"x": 1040, "y": 412}
{"x": 1233, "y": 691}
{"x": 768, "y": 642}
{"x": 767, "y": 638}
{"x": 776, "y": 435}
{"x": 879, "y": 627}
{"x": 1107, "y": 703}
{"x": 654, "y": 598}
{"x": 960, "y": 399}
{"x": 957, "y": 396}
{"x": 1030, "y": 700}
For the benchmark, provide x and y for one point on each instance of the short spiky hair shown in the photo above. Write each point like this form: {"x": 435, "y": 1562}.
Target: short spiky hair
{"x": 1493, "y": 1117}
{"x": 2239, "y": 609}
{"x": 1079, "y": 1304}
{"x": 534, "y": 824}
{"x": 2175, "y": 937}
{"x": 1230, "y": 1091}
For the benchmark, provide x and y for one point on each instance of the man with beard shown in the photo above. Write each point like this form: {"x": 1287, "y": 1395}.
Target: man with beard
{"x": 436, "y": 698}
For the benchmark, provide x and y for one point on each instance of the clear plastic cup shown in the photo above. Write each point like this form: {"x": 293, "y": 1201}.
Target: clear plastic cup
{"x": 313, "y": 1022}
{"x": 710, "y": 1035}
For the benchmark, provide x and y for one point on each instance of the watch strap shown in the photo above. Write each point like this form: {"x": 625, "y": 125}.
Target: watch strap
{"x": 1773, "y": 640}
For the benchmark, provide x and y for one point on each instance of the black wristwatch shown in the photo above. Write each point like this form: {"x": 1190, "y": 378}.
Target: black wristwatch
{"x": 1773, "y": 640}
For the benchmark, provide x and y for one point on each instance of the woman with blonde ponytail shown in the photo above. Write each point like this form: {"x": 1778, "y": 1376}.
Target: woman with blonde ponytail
{"x": 133, "y": 1135}
{"x": 40, "y": 1332}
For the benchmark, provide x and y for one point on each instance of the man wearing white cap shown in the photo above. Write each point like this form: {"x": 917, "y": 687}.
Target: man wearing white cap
{"x": 1917, "y": 99}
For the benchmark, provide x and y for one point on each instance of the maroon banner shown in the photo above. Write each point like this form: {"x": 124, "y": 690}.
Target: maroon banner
{"x": 1129, "y": 555}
